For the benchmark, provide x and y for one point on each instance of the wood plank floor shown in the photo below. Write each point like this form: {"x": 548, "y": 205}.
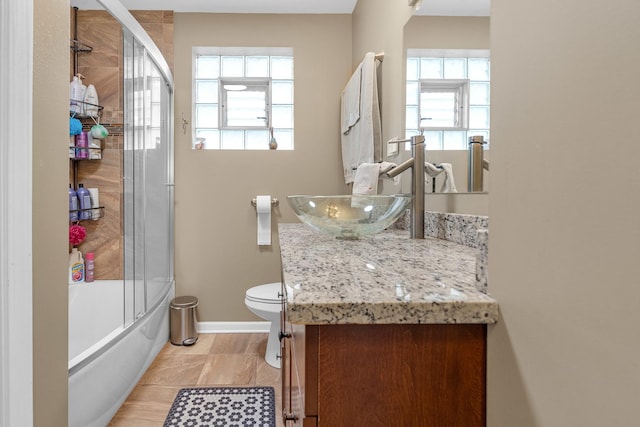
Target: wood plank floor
{"x": 216, "y": 359}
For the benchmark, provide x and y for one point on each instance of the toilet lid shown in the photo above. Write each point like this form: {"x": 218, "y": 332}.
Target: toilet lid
{"x": 265, "y": 293}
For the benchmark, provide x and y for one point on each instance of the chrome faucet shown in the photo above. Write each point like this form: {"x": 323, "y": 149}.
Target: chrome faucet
{"x": 416, "y": 163}
{"x": 476, "y": 164}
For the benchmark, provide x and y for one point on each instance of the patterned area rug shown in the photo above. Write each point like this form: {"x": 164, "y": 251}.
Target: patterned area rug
{"x": 223, "y": 406}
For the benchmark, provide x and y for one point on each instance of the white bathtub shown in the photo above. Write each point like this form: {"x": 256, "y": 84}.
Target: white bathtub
{"x": 105, "y": 359}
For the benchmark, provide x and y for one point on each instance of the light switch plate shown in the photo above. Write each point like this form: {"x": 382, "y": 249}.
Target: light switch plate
{"x": 393, "y": 149}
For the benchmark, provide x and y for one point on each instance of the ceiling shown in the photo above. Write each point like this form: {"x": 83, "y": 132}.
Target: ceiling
{"x": 428, "y": 7}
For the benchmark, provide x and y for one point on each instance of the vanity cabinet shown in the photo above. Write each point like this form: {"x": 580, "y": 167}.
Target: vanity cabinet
{"x": 382, "y": 331}
{"x": 384, "y": 375}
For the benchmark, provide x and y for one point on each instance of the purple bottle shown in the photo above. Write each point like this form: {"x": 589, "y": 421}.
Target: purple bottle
{"x": 73, "y": 205}
{"x": 82, "y": 145}
{"x": 84, "y": 202}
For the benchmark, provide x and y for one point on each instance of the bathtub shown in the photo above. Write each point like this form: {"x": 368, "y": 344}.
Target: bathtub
{"x": 106, "y": 360}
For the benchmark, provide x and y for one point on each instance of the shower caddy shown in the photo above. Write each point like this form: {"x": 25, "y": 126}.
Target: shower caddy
{"x": 78, "y": 47}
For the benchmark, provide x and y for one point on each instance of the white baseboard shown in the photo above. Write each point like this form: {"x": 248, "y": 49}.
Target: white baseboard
{"x": 232, "y": 327}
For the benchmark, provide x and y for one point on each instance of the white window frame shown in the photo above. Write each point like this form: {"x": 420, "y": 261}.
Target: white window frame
{"x": 460, "y": 90}
{"x": 255, "y": 84}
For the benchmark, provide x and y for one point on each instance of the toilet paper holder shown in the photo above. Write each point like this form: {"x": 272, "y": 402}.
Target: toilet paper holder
{"x": 274, "y": 202}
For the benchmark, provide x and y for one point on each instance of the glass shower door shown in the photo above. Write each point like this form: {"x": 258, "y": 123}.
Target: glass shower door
{"x": 147, "y": 182}
{"x": 158, "y": 235}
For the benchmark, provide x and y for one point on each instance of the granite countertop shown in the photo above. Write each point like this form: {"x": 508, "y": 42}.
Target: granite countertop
{"x": 386, "y": 278}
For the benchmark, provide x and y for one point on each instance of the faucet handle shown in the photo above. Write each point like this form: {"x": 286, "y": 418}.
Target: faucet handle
{"x": 395, "y": 140}
{"x": 414, "y": 140}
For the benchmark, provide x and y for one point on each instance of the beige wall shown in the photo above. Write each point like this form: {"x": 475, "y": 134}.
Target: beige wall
{"x": 50, "y": 211}
{"x": 447, "y": 32}
{"x": 564, "y": 240}
{"x": 216, "y": 255}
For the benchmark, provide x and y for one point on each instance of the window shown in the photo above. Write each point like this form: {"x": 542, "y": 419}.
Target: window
{"x": 245, "y": 103}
{"x": 447, "y": 96}
{"x": 241, "y": 97}
{"x": 443, "y": 104}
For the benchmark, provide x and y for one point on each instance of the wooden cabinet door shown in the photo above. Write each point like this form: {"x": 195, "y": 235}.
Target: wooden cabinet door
{"x": 401, "y": 375}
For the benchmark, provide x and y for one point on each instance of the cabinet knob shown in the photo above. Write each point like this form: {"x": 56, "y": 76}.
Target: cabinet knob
{"x": 282, "y": 335}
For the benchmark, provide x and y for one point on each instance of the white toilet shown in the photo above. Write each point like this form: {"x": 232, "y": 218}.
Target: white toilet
{"x": 265, "y": 301}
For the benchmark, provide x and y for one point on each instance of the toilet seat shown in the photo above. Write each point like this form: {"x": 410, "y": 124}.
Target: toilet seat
{"x": 266, "y": 294}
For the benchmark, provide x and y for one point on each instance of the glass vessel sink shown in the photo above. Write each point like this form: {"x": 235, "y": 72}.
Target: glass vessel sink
{"x": 349, "y": 217}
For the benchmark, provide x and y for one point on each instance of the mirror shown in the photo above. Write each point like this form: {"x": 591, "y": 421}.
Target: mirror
{"x": 456, "y": 33}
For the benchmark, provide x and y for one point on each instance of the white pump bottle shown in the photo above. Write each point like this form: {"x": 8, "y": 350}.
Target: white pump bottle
{"x": 91, "y": 101}
{"x": 75, "y": 94}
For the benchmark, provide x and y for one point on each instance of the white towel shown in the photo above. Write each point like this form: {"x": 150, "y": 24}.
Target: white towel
{"x": 448, "y": 185}
{"x": 386, "y": 167}
{"x": 366, "y": 179}
{"x": 350, "y": 107}
{"x": 363, "y": 141}
{"x": 432, "y": 170}
{"x": 368, "y": 175}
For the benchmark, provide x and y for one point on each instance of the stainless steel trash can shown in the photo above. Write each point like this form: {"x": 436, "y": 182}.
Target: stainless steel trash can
{"x": 182, "y": 320}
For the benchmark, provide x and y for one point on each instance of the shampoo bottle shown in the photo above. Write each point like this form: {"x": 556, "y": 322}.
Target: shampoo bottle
{"x": 91, "y": 101}
{"x": 73, "y": 204}
{"x": 84, "y": 201}
{"x": 75, "y": 95}
{"x": 76, "y": 267}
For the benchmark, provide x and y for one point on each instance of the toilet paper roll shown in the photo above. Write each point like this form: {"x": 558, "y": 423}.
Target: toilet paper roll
{"x": 263, "y": 207}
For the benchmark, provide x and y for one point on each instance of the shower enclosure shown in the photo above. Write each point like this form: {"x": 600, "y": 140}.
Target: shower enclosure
{"x": 117, "y": 327}
{"x": 148, "y": 181}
